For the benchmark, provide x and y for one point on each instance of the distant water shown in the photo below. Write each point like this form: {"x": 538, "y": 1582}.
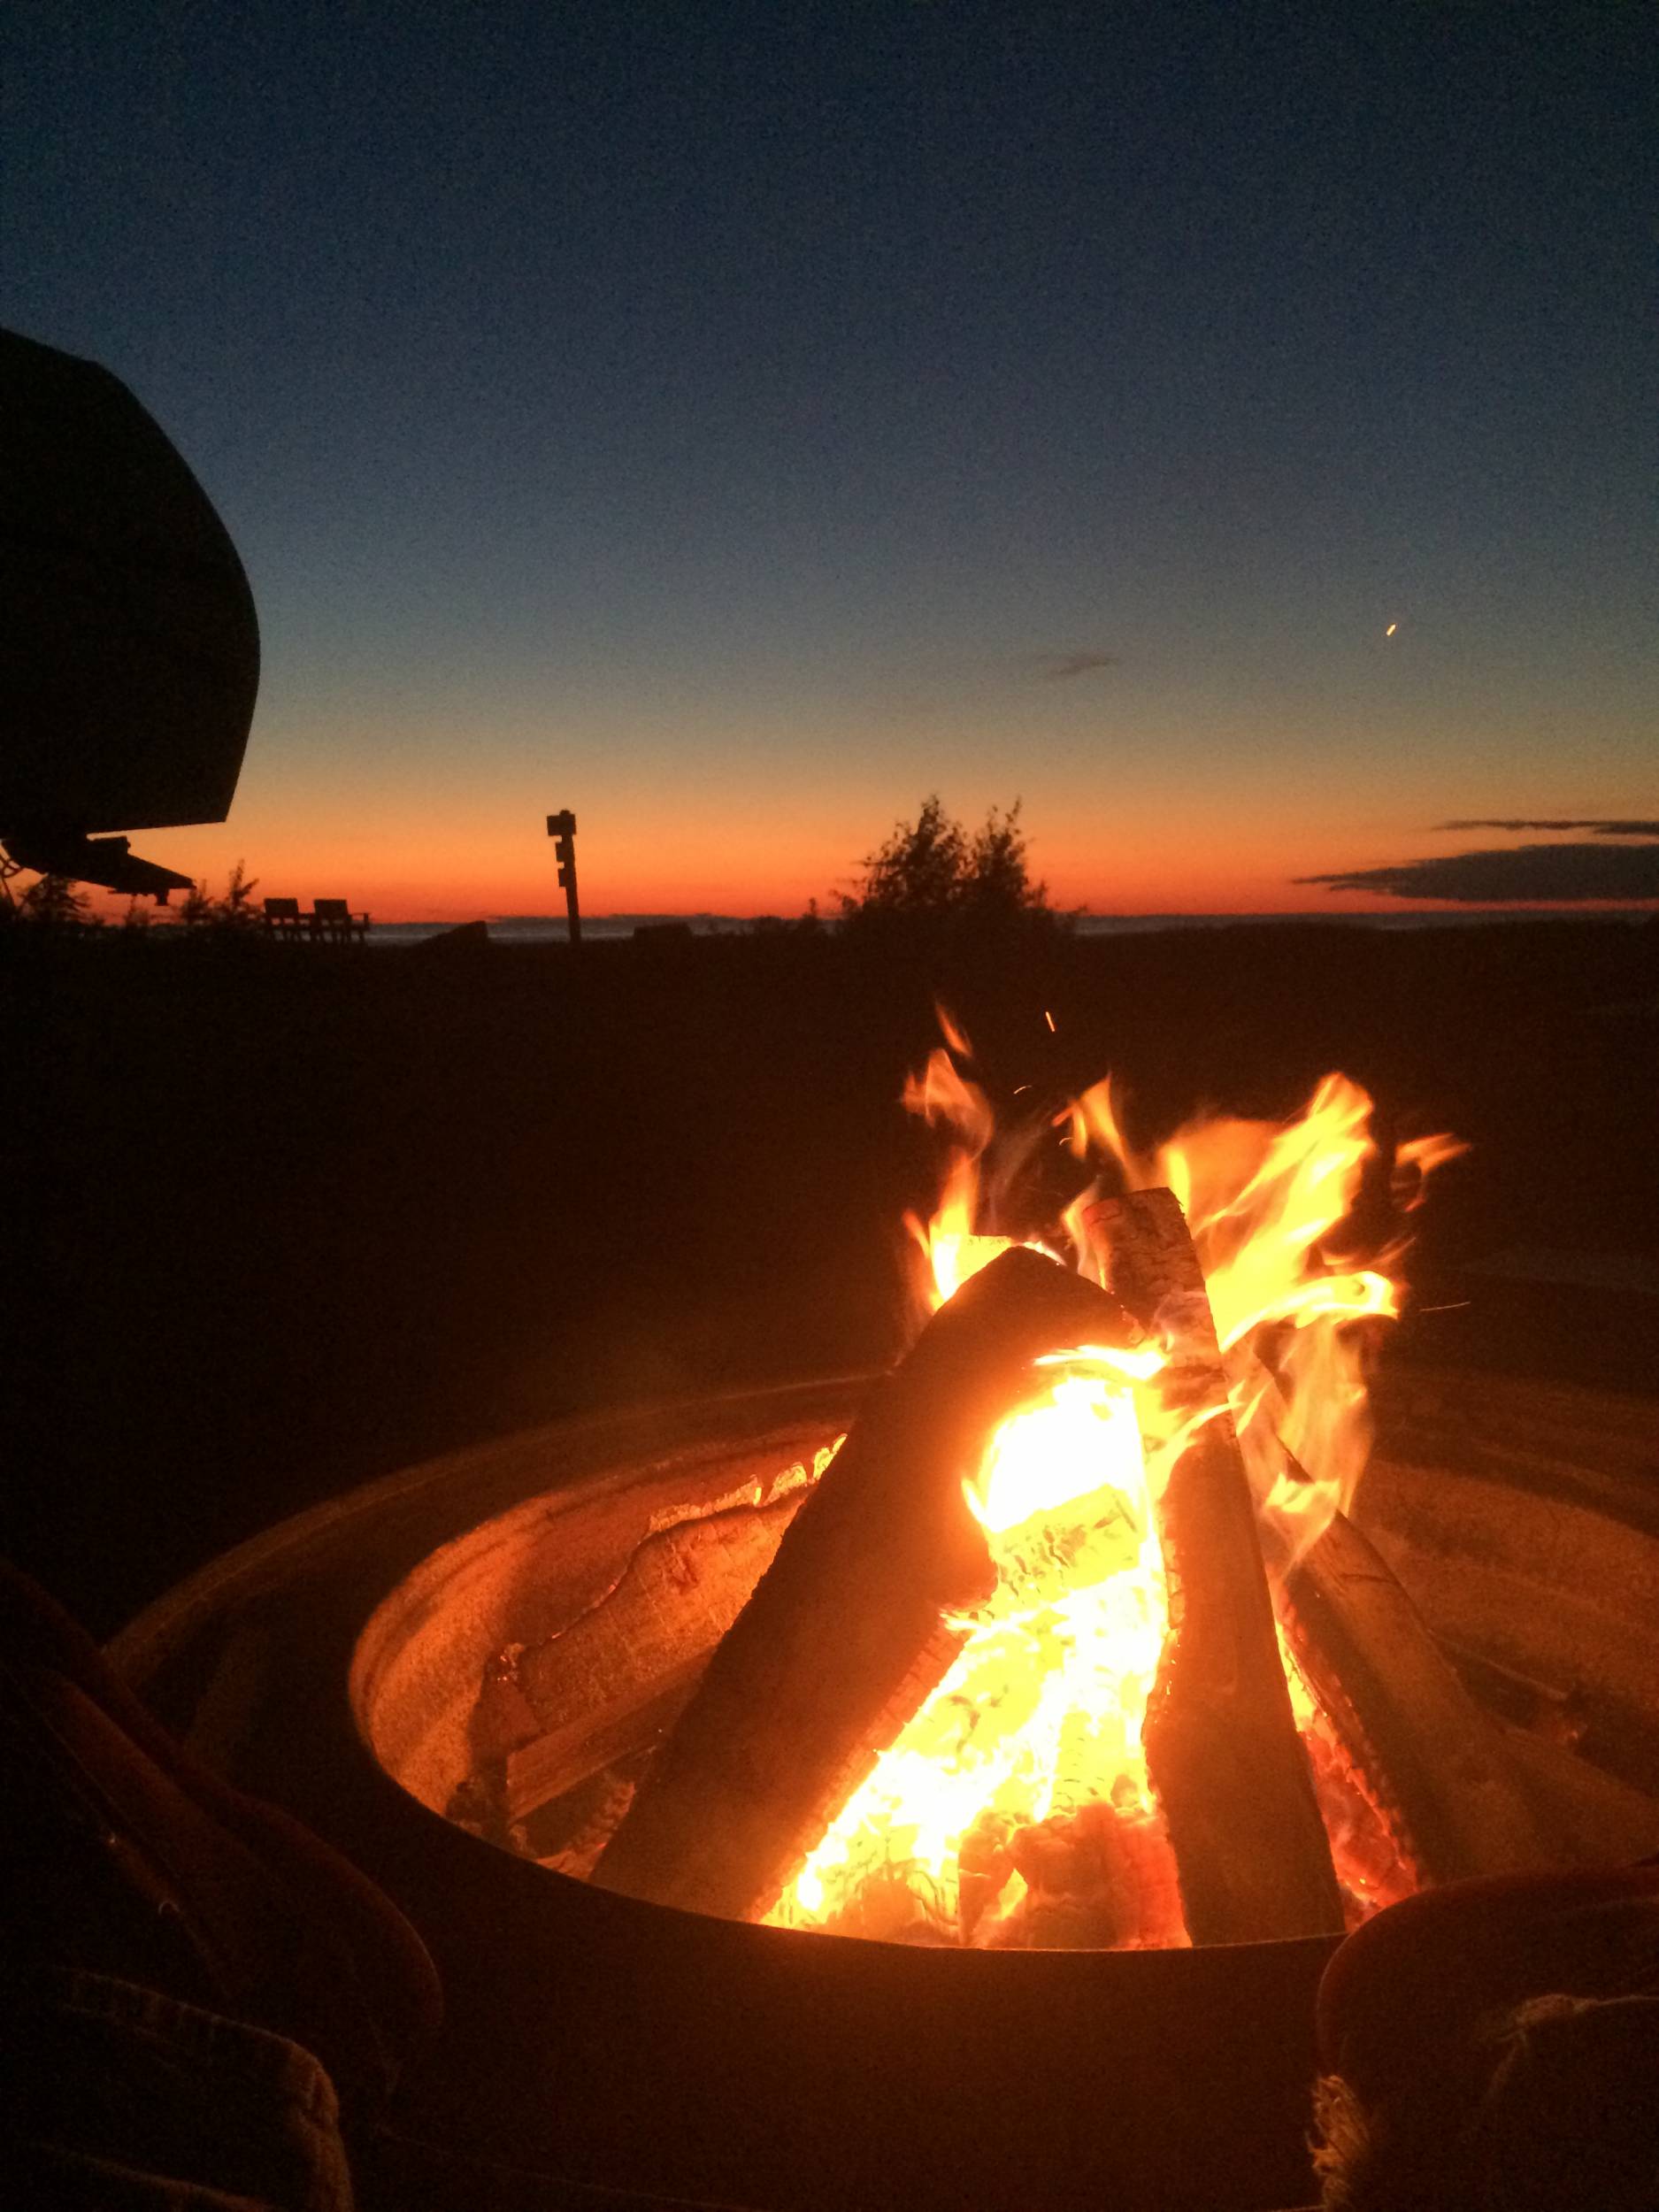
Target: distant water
{"x": 550, "y": 929}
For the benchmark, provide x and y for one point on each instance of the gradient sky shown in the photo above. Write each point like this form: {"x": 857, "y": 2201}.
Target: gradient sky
{"x": 734, "y": 422}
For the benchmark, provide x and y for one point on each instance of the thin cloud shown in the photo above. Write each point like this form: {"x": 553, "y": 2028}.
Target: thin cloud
{"x": 1061, "y": 668}
{"x": 1602, "y": 829}
{"x": 1564, "y": 874}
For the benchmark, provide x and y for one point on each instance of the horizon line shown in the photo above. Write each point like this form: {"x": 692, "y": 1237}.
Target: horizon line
{"x": 1428, "y": 907}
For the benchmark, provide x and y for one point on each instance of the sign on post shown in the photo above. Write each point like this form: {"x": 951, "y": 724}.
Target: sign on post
{"x": 563, "y": 828}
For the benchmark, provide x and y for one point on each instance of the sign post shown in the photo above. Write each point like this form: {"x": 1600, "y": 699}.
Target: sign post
{"x": 563, "y": 826}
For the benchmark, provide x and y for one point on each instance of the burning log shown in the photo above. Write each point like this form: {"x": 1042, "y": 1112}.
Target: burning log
{"x": 1222, "y": 1752}
{"x": 847, "y": 1632}
{"x": 1440, "y": 1767}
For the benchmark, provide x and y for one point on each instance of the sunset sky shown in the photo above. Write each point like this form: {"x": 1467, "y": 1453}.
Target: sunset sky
{"x": 736, "y": 422}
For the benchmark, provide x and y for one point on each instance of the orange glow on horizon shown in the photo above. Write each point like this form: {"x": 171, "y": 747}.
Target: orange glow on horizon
{"x": 405, "y": 896}
{"x": 708, "y": 853}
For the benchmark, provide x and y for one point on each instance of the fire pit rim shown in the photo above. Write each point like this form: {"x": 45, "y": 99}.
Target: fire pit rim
{"x": 141, "y": 1647}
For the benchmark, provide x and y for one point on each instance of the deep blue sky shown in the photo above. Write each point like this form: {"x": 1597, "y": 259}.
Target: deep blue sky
{"x": 733, "y": 421}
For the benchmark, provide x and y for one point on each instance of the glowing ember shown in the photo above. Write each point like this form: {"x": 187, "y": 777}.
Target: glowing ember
{"x": 1014, "y": 1809}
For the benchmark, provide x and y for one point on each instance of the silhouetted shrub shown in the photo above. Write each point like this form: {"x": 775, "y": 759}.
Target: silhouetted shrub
{"x": 54, "y": 903}
{"x": 234, "y": 914}
{"x": 935, "y": 884}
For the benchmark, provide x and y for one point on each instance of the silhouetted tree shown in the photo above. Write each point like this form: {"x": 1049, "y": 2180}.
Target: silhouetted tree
{"x": 931, "y": 878}
{"x": 996, "y": 882}
{"x": 236, "y": 908}
{"x": 919, "y": 871}
{"x": 55, "y": 902}
{"x": 234, "y": 911}
{"x": 197, "y": 910}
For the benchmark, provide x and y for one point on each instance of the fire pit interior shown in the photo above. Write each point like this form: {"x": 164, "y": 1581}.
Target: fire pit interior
{"x": 1070, "y": 1643}
{"x": 1520, "y": 1520}
{"x": 570, "y": 1629}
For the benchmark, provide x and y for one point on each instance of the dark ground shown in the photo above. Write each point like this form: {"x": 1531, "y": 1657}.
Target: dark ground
{"x": 283, "y": 1219}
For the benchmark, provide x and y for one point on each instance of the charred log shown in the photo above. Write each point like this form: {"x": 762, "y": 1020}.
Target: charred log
{"x": 1222, "y": 1754}
{"x": 1440, "y": 1768}
{"x": 847, "y": 1632}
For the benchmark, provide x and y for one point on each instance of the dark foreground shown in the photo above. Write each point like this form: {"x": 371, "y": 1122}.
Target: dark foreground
{"x": 280, "y": 1221}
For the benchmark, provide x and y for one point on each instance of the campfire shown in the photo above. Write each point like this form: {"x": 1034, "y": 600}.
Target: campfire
{"x": 1069, "y": 1643}
{"x": 525, "y": 1629}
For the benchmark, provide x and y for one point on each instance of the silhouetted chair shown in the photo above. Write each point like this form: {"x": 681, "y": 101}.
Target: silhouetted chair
{"x": 333, "y": 920}
{"x": 282, "y": 918}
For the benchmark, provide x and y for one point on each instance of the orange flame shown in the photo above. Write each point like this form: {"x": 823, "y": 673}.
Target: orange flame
{"x": 1025, "y": 1761}
{"x": 950, "y": 1248}
{"x": 1261, "y": 1199}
